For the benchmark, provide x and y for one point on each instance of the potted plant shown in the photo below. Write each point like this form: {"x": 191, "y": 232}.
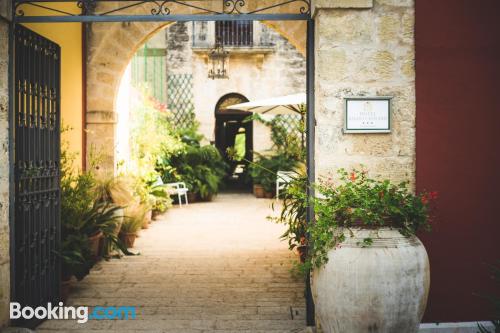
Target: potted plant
{"x": 132, "y": 223}
{"x": 76, "y": 260}
{"x": 366, "y": 260}
{"x": 114, "y": 191}
{"x": 257, "y": 173}
{"x": 200, "y": 167}
{"x": 264, "y": 171}
{"x": 160, "y": 200}
{"x": 99, "y": 217}
{"x": 258, "y": 190}
{"x": 293, "y": 215}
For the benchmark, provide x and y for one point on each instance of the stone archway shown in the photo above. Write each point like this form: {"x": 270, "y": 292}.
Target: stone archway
{"x": 110, "y": 49}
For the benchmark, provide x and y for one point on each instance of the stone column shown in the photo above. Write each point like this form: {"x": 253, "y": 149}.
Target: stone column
{"x": 104, "y": 71}
{"x": 4, "y": 166}
{"x": 365, "y": 48}
{"x": 101, "y": 126}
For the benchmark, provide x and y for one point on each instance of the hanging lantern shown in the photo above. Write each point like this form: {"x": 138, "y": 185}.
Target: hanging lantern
{"x": 218, "y": 58}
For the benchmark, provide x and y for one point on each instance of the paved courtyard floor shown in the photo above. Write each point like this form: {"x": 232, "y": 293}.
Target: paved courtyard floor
{"x": 207, "y": 267}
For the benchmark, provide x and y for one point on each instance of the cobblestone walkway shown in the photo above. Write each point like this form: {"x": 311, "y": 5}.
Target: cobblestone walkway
{"x": 208, "y": 267}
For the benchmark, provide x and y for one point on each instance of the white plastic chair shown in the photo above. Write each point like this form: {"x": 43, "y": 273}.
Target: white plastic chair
{"x": 179, "y": 188}
{"x": 282, "y": 180}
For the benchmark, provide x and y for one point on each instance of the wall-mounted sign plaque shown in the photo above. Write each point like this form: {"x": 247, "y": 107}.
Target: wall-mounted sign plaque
{"x": 367, "y": 115}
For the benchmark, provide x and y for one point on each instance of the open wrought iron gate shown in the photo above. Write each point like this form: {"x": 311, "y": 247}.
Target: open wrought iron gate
{"x": 36, "y": 117}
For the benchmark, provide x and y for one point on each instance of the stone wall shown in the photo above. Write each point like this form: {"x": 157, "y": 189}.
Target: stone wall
{"x": 4, "y": 169}
{"x": 365, "y": 48}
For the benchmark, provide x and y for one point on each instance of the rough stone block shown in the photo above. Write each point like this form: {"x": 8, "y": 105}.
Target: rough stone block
{"x": 397, "y": 3}
{"x": 101, "y": 117}
{"x": 332, "y": 64}
{"x": 345, "y": 28}
{"x": 389, "y": 28}
{"x": 339, "y": 4}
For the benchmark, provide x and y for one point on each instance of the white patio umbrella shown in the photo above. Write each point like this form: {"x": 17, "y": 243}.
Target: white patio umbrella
{"x": 282, "y": 105}
{"x": 289, "y": 104}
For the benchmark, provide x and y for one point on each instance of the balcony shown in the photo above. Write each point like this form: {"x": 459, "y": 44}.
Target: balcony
{"x": 238, "y": 37}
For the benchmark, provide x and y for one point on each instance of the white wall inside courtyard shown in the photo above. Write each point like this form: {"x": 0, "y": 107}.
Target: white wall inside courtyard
{"x": 122, "y": 134}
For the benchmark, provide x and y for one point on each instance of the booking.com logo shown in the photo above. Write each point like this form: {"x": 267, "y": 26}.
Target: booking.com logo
{"x": 81, "y": 313}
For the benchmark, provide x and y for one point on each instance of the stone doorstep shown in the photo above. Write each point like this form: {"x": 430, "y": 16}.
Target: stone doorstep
{"x": 461, "y": 327}
{"x": 16, "y": 330}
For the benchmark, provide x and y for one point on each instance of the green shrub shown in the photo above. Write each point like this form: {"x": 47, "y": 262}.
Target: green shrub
{"x": 357, "y": 200}
{"x": 264, "y": 170}
{"x": 87, "y": 208}
{"x": 201, "y": 168}
{"x": 294, "y": 210}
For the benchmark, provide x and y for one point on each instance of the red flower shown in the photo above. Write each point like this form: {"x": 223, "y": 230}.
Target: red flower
{"x": 424, "y": 199}
{"x": 353, "y": 176}
{"x": 433, "y": 195}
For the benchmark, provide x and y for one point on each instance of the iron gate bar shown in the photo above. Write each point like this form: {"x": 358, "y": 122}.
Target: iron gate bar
{"x": 162, "y": 18}
{"x": 159, "y": 9}
{"x": 310, "y": 162}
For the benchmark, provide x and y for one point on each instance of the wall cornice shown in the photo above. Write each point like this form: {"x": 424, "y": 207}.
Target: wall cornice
{"x": 340, "y": 4}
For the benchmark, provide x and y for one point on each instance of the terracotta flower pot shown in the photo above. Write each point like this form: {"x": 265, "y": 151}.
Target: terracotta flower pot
{"x": 155, "y": 214}
{"x": 94, "y": 242}
{"x": 268, "y": 195}
{"x": 208, "y": 198}
{"x": 258, "y": 191}
{"x": 128, "y": 239}
{"x": 192, "y": 197}
{"x": 302, "y": 252}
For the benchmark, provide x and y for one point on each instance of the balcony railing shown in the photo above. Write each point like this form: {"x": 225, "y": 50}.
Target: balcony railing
{"x": 234, "y": 33}
{"x": 244, "y": 35}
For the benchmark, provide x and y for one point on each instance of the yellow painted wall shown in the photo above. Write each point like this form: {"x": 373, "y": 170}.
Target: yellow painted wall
{"x": 69, "y": 38}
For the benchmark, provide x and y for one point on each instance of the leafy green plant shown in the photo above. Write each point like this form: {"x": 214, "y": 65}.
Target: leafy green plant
{"x": 160, "y": 198}
{"x": 293, "y": 212}
{"x": 264, "y": 170}
{"x": 134, "y": 218}
{"x": 99, "y": 217}
{"x": 75, "y": 256}
{"x": 87, "y": 207}
{"x": 77, "y": 199}
{"x": 189, "y": 135}
{"x": 286, "y": 153}
{"x": 358, "y": 200}
{"x": 151, "y": 137}
{"x": 201, "y": 168}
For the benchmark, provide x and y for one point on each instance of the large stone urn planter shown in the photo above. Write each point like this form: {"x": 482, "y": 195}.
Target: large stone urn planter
{"x": 380, "y": 288}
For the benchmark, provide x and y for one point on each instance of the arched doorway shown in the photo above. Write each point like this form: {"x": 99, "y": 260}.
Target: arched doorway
{"x": 233, "y": 131}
